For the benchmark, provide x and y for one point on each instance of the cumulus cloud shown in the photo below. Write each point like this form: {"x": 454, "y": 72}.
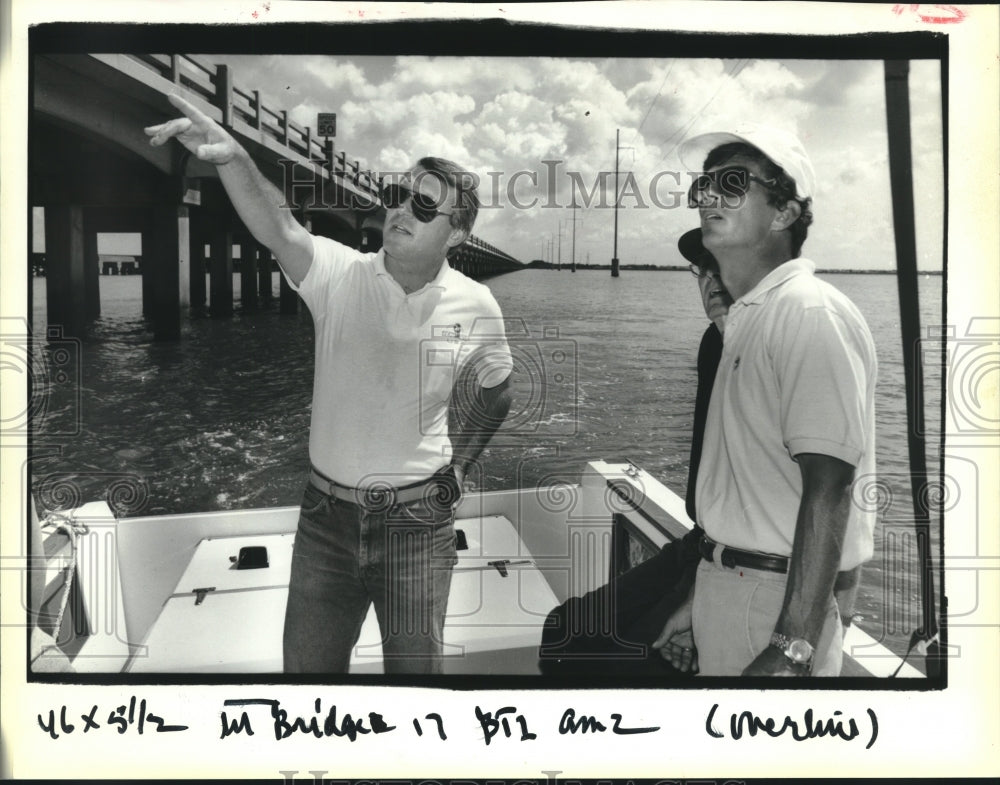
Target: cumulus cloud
{"x": 342, "y": 79}
{"x": 511, "y": 115}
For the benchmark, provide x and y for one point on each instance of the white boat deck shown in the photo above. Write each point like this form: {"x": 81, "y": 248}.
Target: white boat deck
{"x": 220, "y": 619}
{"x": 138, "y": 580}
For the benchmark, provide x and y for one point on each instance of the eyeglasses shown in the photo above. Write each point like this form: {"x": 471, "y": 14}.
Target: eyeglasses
{"x": 701, "y": 272}
{"x": 424, "y": 207}
{"x": 730, "y": 182}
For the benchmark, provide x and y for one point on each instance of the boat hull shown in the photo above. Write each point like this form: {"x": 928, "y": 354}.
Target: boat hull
{"x": 161, "y": 594}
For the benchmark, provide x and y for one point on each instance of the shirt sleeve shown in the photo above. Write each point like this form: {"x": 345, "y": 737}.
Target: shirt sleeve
{"x": 330, "y": 263}
{"x": 825, "y": 368}
{"x": 491, "y": 358}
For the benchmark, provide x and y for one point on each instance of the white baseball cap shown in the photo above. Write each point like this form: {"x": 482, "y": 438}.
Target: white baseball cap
{"x": 782, "y": 147}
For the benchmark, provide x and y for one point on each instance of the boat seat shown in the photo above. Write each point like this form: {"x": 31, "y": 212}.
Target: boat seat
{"x": 223, "y": 620}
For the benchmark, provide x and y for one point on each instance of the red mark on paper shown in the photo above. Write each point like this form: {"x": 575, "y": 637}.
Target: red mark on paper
{"x": 937, "y": 15}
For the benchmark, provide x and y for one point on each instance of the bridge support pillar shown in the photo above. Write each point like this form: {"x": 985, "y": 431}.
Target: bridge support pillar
{"x": 185, "y": 258}
{"x": 263, "y": 255}
{"x": 65, "y": 269}
{"x": 161, "y": 269}
{"x": 197, "y": 278}
{"x": 248, "y": 273}
{"x": 91, "y": 271}
{"x": 221, "y": 294}
{"x": 146, "y": 271}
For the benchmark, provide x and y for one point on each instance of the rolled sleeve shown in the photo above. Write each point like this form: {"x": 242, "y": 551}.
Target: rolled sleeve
{"x": 494, "y": 364}
{"x": 824, "y": 384}
{"x": 491, "y": 358}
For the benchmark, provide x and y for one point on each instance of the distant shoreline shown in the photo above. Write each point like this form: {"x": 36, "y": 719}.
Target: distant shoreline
{"x": 539, "y": 265}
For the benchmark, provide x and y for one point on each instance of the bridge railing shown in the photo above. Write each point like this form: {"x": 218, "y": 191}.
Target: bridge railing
{"x": 481, "y": 245}
{"x": 214, "y": 83}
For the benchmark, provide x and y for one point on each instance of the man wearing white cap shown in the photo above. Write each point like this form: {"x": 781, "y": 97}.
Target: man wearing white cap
{"x": 791, "y": 424}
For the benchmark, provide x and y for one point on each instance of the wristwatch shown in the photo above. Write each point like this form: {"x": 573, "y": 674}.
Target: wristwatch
{"x": 798, "y": 650}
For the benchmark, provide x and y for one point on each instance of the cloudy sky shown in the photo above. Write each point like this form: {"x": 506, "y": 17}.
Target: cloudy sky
{"x": 503, "y": 116}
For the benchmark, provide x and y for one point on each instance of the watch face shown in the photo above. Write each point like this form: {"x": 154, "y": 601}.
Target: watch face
{"x": 800, "y": 650}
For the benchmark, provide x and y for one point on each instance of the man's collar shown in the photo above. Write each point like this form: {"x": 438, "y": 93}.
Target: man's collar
{"x": 776, "y": 277}
{"x": 438, "y": 281}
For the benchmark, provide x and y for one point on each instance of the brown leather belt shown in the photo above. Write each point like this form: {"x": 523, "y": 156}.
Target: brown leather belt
{"x": 381, "y": 496}
{"x": 734, "y": 557}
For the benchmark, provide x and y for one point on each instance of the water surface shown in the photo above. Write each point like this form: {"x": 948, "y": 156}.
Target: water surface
{"x": 604, "y": 368}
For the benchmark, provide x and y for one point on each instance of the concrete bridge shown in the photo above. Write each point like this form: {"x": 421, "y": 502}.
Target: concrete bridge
{"x": 92, "y": 169}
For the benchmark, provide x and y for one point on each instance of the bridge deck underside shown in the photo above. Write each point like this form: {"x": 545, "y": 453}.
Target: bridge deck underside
{"x": 92, "y": 169}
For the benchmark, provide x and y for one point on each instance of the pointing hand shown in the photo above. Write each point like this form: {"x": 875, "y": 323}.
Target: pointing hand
{"x": 198, "y": 132}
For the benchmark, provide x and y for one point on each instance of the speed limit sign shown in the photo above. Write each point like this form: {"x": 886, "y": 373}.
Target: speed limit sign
{"x": 326, "y": 124}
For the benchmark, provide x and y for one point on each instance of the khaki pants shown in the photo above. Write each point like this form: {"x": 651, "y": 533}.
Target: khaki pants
{"x": 735, "y": 610}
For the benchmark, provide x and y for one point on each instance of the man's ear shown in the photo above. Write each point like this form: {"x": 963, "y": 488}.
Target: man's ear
{"x": 457, "y": 237}
{"x": 788, "y": 215}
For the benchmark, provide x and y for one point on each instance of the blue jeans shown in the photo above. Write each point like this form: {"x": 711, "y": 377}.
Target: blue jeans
{"x": 347, "y": 557}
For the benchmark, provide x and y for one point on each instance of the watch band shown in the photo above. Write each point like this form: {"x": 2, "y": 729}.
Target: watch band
{"x": 798, "y": 650}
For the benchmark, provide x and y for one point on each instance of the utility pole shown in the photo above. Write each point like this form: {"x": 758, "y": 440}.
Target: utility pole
{"x": 572, "y": 267}
{"x": 559, "y": 262}
{"x": 614, "y": 259}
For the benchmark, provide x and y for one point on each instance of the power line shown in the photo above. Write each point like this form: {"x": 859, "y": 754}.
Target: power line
{"x": 682, "y": 131}
{"x": 652, "y": 103}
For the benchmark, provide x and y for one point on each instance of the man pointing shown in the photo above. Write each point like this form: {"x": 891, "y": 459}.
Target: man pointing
{"x": 394, "y": 330}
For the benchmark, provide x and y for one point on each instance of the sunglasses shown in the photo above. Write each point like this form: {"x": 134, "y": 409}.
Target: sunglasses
{"x": 701, "y": 272}
{"x": 424, "y": 207}
{"x": 730, "y": 182}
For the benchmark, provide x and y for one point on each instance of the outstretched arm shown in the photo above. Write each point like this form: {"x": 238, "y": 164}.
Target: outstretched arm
{"x": 257, "y": 201}
{"x": 816, "y": 550}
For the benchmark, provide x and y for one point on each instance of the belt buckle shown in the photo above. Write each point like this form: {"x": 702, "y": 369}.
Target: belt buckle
{"x": 728, "y": 558}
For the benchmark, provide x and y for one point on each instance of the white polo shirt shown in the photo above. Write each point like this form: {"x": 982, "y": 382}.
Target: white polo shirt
{"x": 386, "y": 362}
{"x": 797, "y": 375}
